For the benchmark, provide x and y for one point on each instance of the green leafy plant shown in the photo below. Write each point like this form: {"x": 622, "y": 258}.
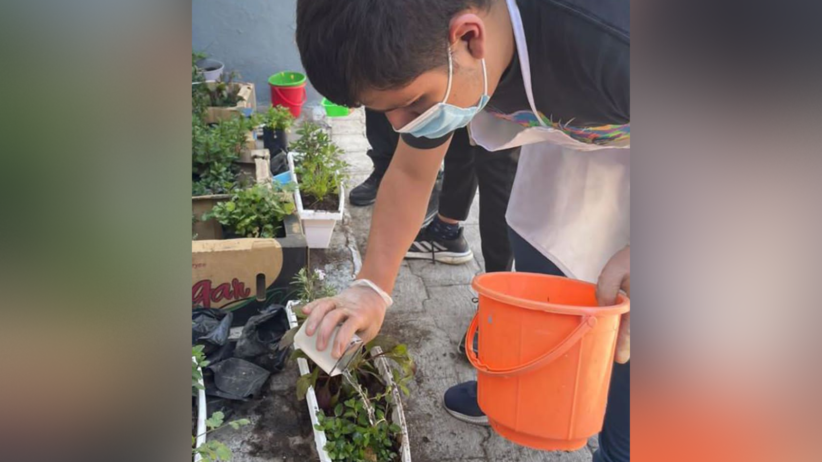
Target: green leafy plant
{"x": 198, "y": 362}
{"x": 225, "y": 92}
{"x": 254, "y": 212}
{"x": 319, "y": 167}
{"x": 351, "y": 437}
{"x": 278, "y": 118}
{"x": 196, "y": 72}
{"x": 215, "y": 151}
{"x": 309, "y": 285}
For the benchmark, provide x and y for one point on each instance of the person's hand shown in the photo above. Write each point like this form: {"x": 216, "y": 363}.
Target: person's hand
{"x": 360, "y": 309}
{"x": 616, "y": 276}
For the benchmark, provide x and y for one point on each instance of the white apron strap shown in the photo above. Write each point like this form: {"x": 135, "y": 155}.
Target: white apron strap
{"x": 522, "y": 51}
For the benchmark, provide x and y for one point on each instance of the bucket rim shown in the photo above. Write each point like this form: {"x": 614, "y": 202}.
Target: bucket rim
{"x": 272, "y": 80}
{"x": 622, "y": 306}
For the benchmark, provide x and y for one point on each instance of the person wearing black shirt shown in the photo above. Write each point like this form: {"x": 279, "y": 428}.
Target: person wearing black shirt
{"x": 549, "y": 76}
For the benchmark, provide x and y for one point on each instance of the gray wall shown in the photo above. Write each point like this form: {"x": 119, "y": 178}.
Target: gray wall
{"x": 253, "y": 37}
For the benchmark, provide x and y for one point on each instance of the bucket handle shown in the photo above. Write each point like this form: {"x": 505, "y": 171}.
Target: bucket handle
{"x": 588, "y": 323}
{"x": 292, "y": 103}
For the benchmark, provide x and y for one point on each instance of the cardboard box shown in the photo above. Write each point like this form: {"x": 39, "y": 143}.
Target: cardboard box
{"x": 247, "y": 103}
{"x": 240, "y": 274}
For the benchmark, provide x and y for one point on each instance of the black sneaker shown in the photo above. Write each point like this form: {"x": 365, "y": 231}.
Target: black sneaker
{"x": 461, "y": 402}
{"x": 366, "y": 192}
{"x": 428, "y": 247}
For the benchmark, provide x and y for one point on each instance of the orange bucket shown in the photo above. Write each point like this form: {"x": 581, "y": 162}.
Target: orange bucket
{"x": 546, "y": 351}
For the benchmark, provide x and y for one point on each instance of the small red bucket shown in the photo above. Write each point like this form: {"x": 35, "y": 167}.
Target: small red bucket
{"x": 288, "y": 89}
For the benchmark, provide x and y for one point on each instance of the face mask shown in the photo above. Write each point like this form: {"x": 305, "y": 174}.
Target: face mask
{"x": 443, "y": 118}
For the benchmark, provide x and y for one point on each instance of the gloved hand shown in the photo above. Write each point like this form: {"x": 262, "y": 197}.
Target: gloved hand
{"x": 616, "y": 276}
{"x": 359, "y": 308}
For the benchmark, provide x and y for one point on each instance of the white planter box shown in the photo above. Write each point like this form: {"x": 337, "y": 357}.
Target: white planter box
{"x": 397, "y": 416}
{"x": 201, "y": 416}
{"x": 318, "y": 225}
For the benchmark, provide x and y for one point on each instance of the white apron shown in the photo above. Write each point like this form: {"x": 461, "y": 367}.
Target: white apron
{"x": 570, "y": 200}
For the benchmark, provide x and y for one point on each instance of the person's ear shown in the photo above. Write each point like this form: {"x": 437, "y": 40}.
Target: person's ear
{"x": 468, "y": 31}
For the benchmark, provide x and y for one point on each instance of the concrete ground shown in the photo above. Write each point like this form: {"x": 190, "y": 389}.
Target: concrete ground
{"x": 431, "y": 312}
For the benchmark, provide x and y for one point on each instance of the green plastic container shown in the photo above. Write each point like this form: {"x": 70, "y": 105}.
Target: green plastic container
{"x": 287, "y": 79}
{"x": 288, "y": 89}
{"x": 334, "y": 110}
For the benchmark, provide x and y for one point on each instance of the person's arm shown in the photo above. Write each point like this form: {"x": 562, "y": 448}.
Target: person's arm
{"x": 400, "y": 210}
{"x": 398, "y": 215}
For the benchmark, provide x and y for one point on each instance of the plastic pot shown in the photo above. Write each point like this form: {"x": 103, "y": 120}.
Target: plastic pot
{"x": 212, "y": 69}
{"x": 335, "y": 110}
{"x": 318, "y": 225}
{"x": 275, "y": 141}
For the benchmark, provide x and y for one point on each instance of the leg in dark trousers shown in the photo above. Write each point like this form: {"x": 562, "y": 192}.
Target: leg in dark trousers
{"x": 468, "y": 167}
{"x": 615, "y": 437}
{"x": 382, "y": 138}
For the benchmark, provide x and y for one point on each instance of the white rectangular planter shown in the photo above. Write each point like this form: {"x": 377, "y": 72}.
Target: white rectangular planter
{"x": 397, "y": 416}
{"x": 318, "y": 225}
{"x": 201, "y": 416}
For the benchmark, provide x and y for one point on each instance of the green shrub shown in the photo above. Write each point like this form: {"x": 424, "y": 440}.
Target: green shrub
{"x": 320, "y": 169}
{"x": 254, "y": 212}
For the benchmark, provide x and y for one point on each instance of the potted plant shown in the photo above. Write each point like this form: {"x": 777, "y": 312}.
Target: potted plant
{"x": 216, "y": 153}
{"x": 320, "y": 196}
{"x": 276, "y": 123}
{"x": 211, "y": 69}
{"x": 257, "y": 212}
{"x": 357, "y": 416}
{"x": 225, "y": 98}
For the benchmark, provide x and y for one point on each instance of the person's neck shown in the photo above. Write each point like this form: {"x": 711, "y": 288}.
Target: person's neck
{"x": 501, "y": 40}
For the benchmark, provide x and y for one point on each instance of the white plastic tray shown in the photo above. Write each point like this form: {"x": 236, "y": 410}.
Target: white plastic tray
{"x": 397, "y": 416}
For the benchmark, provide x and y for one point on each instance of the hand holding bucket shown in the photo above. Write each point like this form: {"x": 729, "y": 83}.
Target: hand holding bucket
{"x": 546, "y": 351}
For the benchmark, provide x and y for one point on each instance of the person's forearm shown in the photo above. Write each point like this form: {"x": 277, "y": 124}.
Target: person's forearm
{"x": 399, "y": 212}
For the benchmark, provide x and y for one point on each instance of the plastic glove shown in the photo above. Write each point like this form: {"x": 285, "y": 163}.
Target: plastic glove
{"x": 360, "y": 309}
{"x": 616, "y": 276}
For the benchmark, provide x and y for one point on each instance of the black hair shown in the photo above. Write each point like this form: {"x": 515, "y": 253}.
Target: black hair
{"x": 347, "y": 46}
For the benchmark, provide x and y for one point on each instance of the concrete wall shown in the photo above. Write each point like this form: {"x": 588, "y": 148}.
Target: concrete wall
{"x": 253, "y": 37}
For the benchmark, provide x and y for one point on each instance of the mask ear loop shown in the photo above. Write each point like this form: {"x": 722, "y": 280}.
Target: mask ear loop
{"x": 450, "y": 76}
{"x": 484, "y": 79}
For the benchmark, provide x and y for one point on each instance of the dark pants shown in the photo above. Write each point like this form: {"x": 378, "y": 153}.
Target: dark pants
{"x": 615, "y": 437}
{"x": 382, "y": 138}
{"x": 467, "y": 168}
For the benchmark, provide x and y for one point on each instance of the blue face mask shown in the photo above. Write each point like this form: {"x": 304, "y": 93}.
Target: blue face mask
{"x": 443, "y": 118}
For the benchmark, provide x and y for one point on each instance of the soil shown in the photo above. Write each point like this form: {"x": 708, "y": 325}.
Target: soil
{"x": 281, "y": 428}
{"x": 329, "y": 204}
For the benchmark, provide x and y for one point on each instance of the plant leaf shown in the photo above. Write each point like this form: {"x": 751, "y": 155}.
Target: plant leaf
{"x": 215, "y": 420}
{"x": 288, "y": 338}
{"x": 303, "y": 384}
